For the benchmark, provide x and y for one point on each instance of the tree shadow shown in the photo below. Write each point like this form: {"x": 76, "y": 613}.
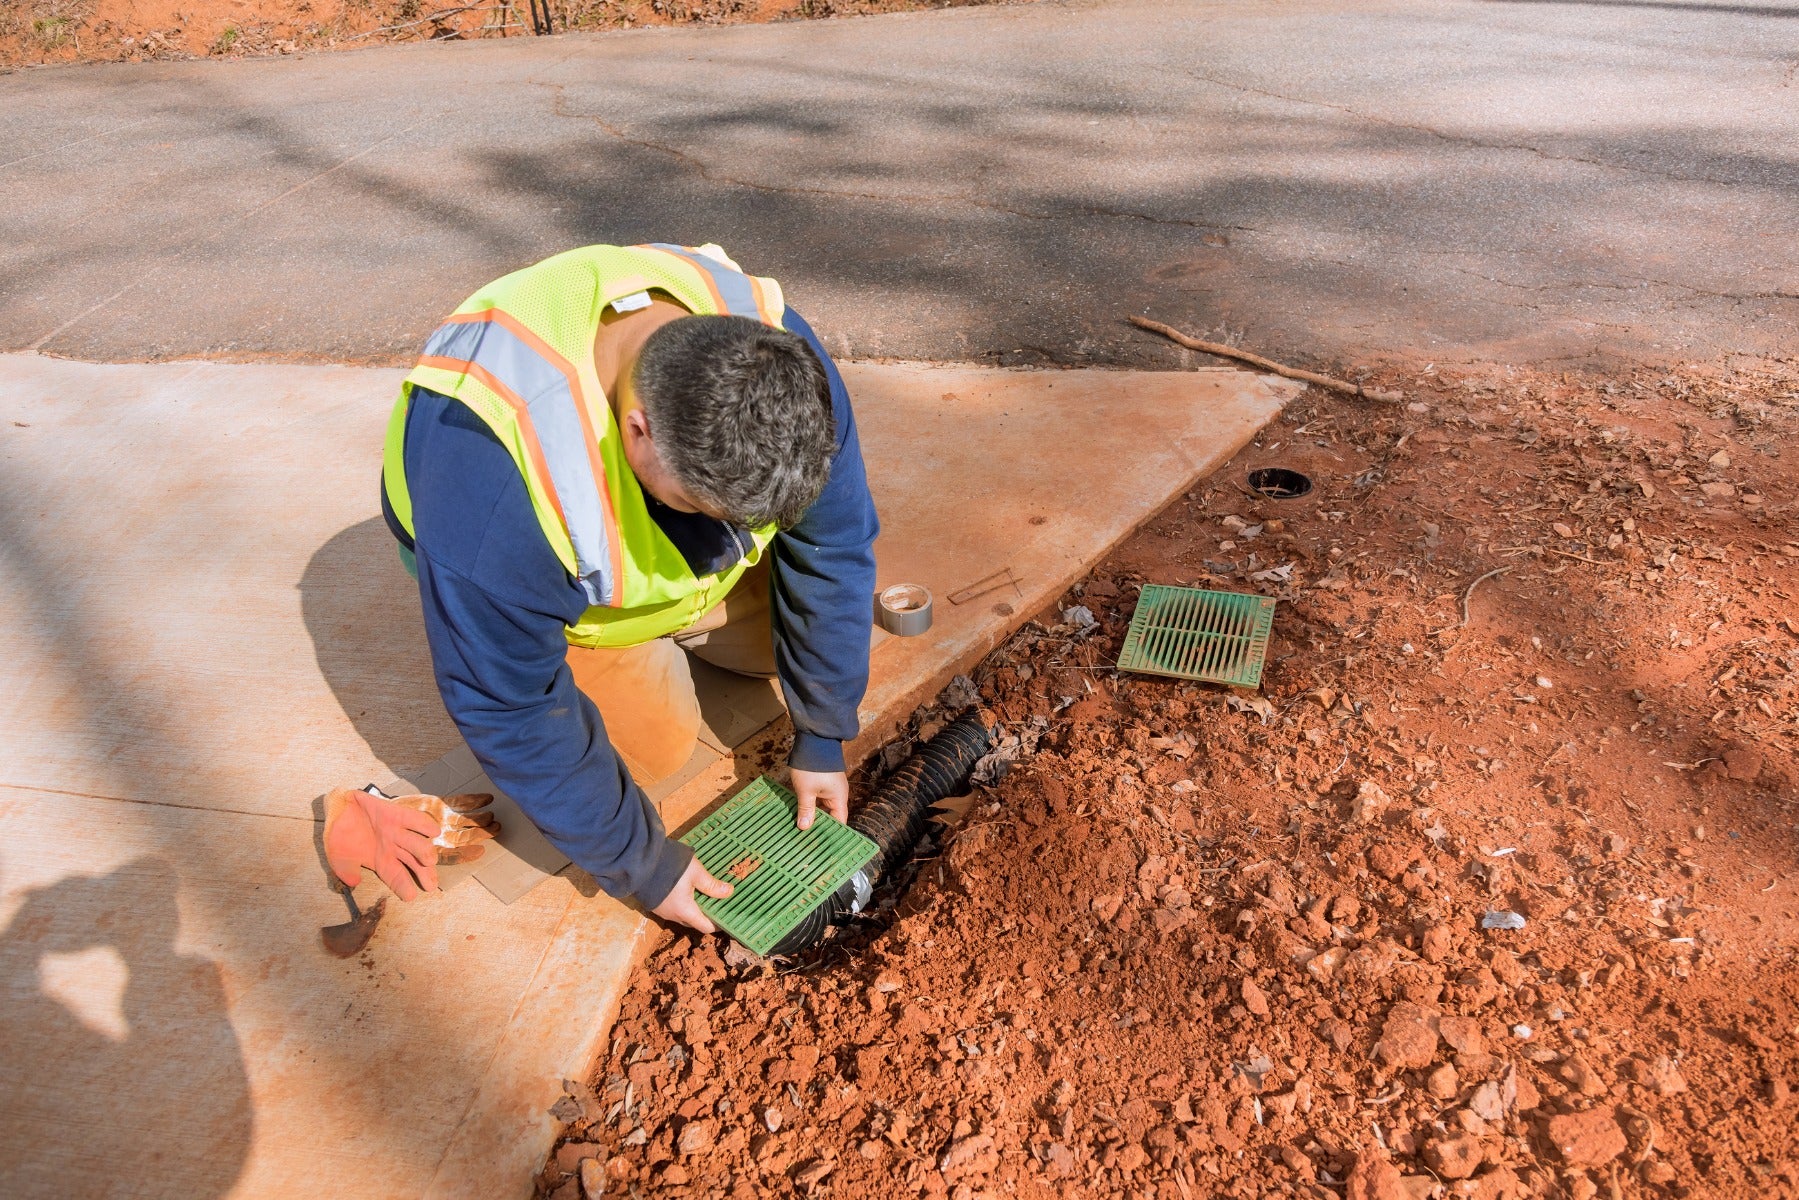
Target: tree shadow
{"x": 96, "y": 993}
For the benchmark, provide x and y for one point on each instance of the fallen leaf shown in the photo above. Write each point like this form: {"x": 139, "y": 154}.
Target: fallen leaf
{"x": 1255, "y": 704}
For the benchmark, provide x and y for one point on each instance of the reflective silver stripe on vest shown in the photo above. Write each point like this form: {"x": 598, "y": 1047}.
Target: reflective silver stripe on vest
{"x": 733, "y": 287}
{"x": 557, "y": 423}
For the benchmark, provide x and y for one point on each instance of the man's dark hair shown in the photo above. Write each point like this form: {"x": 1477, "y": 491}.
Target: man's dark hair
{"x": 741, "y": 413}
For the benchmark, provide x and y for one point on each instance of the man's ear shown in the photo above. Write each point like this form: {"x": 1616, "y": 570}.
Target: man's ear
{"x": 637, "y": 423}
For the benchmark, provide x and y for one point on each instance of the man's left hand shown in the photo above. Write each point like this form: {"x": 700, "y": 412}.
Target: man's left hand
{"x": 830, "y": 788}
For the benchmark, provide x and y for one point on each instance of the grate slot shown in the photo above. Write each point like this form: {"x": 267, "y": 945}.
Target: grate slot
{"x": 782, "y": 874}
{"x": 1191, "y": 633}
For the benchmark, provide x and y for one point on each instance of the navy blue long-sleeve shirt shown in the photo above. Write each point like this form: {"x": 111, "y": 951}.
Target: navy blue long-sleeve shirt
{"x": 497, "y": 601}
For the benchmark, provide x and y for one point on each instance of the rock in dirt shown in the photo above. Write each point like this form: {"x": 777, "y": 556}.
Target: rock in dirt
{"x": 1254, "y": 999}
{"x": 1487, "y": 1103}
{"x": 1369, "y": 803}
{"x": 1463, "y": 1034}
{"x": 1587, "y": 1139}
{"x": 1453, "y": 1155}
{"x": 1742, "y": 763}
{"x": 593, "y": 1179}
{"x": 972, "y": 1155}
{"x": 1374, "y": 1177}
{"x": 812, "y": 1174}
{"x": 696, "y": 1137}
{"x": 1408, "y": 1040}
{"x": 1442, "y": 1082}
{"x": 570, "y": 1155}
{"x": 1661, "y": 1076}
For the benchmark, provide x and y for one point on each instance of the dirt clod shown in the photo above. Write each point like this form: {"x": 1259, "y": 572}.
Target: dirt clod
{"x": 1587, "y": 1139}
{"x": 1162, "y": 958}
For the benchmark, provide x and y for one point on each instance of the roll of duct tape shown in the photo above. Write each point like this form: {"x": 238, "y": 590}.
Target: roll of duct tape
{"x": 903, "y": 609}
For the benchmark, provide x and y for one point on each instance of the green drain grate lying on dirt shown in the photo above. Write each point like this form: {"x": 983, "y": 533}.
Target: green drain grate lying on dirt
{"x": 780, "y": 873}
{"x": 1216, "y": 637}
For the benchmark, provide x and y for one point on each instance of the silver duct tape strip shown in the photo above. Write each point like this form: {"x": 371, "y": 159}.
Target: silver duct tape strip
{"x": 903, "y": 609}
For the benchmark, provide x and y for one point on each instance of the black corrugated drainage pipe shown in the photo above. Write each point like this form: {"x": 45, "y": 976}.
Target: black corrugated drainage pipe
{"x": 895, "y": 819}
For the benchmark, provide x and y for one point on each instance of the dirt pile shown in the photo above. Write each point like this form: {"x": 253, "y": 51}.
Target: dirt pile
{"x": 1490, "y": 894}
{"x": 42, "y": 32}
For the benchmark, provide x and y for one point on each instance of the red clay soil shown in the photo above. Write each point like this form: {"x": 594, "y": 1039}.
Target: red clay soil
{"x": 1187, "y": 948}
{"x": 44, "y": 32}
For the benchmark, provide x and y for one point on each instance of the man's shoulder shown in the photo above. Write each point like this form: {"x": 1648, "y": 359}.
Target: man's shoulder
{"x": 471, "y": 510}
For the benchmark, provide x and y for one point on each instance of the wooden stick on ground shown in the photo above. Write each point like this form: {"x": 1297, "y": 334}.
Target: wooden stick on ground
{"x": 1267, "y": 364}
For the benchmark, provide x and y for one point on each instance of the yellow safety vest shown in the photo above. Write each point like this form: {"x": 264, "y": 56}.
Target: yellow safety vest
{"x": 519, "y": 354}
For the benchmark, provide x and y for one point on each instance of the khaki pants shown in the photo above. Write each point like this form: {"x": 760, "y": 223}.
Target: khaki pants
{"x": 645, "y": 693}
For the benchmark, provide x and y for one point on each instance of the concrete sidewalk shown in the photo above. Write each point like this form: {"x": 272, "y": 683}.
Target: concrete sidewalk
{"x": 205, "y": 626}
{"x": 1543, "y": 180}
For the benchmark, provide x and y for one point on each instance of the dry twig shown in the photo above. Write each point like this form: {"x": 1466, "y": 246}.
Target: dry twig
{"x": 426, "y": 20}
{"x": 1267, "y": 364}
{"x": 1470, "y": 591}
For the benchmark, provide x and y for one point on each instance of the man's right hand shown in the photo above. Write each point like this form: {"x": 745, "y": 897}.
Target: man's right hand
{"x": 679, "y": 904}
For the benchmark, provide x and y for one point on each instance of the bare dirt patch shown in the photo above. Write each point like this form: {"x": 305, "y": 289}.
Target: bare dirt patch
{"x": 45, "y": 32}
{"x": 1186, "y": 949}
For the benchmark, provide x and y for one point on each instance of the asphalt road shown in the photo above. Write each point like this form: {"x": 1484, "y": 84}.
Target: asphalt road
{"x": 1524, "y": 180}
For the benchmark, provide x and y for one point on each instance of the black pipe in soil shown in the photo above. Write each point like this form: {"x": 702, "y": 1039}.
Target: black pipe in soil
{"x": 895, "y": 819}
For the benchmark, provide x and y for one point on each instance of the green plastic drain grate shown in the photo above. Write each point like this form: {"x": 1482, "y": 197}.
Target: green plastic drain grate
{"x": 780, "y": 873}
{"x": 1190, "y": 633}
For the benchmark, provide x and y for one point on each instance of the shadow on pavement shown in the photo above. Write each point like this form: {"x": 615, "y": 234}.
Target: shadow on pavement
{"x": 362, "y": 613}
{"x": 95, "y": 991}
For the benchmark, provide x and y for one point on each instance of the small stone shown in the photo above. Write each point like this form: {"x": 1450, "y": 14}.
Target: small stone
{"x": 1518, "y": 1092}
{"x": 1442, "y": 1082}
{"x": 1369, "y": 803}
{"x": 1578, "y": 1074}
{"x": 1743, "y": 764}
{"x": 1435, "y": 943}
{"x": 1462, "y": 1034}
{"x": 1587, "y": 1139}
{"x": 1340, "y": 1033}
{"x": 1506, "y": 968}
{"x": 696, "y": 1136}
{"x": 871, "y": 1150}
{"x": 1488, "y": 1102}
{"x": 972, "y": 1155}
{"x": 1453, "y": 1156}
{"x": 569, "y": 1155}
{"x": 1662, "y": 1076}
{"x": 593, "y": 1179}
{"x": 674, "y": 1175}
{"x": 813, "y": 1173}
{"x": 1059, "y": 1160}
{"x": 1408, "y": 1040}
{"x": 1323, "y": 965}
{"x": 1374, "y": 1178}
{"x": 1254, "y": 999}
